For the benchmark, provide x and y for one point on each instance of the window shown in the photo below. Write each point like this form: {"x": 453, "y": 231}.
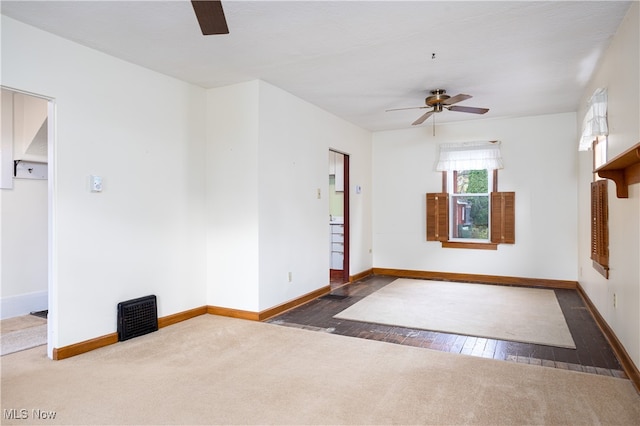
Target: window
{"x": 599, "y": 147}
{"x": 467, "y": 215}
{"x": 469, "y": 212}
{"x": 594, "y": 123}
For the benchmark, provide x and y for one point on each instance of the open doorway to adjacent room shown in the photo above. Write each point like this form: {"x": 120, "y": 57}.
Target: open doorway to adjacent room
{"x": 339, "y": 217}
{"x": 26, "y": 128}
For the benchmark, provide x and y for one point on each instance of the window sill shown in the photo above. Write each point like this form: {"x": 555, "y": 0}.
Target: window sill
{"x": 602, "y": 269}
{"x": 466, "y": 245}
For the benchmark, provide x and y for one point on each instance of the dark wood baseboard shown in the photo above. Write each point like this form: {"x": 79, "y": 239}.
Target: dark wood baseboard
{"x": 86, "y": 346}
{"x": 181, "y": 316}
{"x": 271, "y": 312}
{"x": 361, "y": 275}
{"x": 277, "y": 310}
{"x": 110, "y": 339}
{"x": 630, "y": 369}
{"x": 233, "y": 313}
{"x": 475, "y": 278}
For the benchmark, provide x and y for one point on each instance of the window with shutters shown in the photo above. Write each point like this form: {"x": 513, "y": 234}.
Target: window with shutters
{"x": 600, "y": 227}
{"x": 467, "y": 214}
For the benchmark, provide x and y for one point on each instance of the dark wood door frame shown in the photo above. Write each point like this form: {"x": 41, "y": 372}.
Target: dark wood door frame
{"x": 345, "y": 195}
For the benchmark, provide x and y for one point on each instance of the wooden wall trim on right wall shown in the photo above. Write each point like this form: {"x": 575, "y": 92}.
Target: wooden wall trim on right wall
{"x": 630, "y": 369}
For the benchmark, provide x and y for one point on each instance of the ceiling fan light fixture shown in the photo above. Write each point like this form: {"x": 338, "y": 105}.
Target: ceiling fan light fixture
{"x": 437, "y": 96}
{"x": 439, "y": 100}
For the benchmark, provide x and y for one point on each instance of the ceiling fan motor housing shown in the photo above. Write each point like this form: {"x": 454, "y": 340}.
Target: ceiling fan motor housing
{"x": 437, "y": 97}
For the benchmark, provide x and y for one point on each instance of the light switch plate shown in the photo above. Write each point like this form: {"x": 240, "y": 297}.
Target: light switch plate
{"x": 95, "y": 183}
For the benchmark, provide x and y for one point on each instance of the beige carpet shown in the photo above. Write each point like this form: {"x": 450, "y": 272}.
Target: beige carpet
{"x": 499, "y": 312}
{"x": 216, "y": 370}
{"x": 23, "y": 332}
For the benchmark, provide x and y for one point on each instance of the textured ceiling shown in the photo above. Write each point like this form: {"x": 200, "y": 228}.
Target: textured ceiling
{"x": 357, "y": 59}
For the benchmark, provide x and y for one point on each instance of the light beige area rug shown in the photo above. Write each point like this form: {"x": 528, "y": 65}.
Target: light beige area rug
{"x": 499, "y": 312}
{"x": 23, "y": 332}
{"x": 217, "y": 370}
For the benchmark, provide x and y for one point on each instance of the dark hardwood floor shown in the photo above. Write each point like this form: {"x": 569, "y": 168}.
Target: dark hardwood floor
{"x": 593, "y": 353}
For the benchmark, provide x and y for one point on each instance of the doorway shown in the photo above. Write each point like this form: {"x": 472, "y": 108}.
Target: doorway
{"x": 339, "y": 218}
{"x": 27, "y": 129}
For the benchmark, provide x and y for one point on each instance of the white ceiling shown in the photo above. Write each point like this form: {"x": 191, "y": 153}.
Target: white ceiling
{"x": 357, "y": 59}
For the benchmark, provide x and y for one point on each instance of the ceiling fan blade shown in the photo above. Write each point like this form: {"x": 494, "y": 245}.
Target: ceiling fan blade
{"x": 210, "y": 16}
{"x": 400, "y": 109}
{"x": 472, "y": 110}
{"x": 457, "y": 98}
{"x": 423, "y": 118}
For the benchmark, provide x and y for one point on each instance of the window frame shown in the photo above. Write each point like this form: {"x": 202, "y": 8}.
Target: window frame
{"x": 600, "y": 149}
{"x": 451, "y": 183}
{"x": 502, "y": 219}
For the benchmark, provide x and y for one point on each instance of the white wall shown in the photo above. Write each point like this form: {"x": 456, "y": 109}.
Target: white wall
{"x": 295, "y": 138}
{"x": 619, "y": 72}
{"x": 30, "y": 142}
{"x": 232, "y": 197}
{"x": 267, "y": 156}
{"x": 144, "y": 133}
{"x": 540, "y": 166}
{"x": 23, "y": 259}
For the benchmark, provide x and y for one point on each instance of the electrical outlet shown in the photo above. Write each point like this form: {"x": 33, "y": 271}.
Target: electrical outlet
{"x": 615, "y": 301}
{"x": 290, "y": 277}
{"x": 319, "y": 194}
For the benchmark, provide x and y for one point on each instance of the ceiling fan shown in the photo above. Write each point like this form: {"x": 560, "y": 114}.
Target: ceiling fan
{"x": 210, "y": 16}
{"x": 439, "y": 100}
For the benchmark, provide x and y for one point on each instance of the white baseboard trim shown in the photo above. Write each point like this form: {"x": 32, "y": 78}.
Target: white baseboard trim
{"x": 23, "y": 304}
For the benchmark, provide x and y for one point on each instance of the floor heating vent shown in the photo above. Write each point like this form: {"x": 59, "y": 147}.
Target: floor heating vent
{"x": 137, "y": 317}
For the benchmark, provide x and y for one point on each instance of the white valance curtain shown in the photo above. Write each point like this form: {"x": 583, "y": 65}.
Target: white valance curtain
{"x": 469, "y": 156}
{"x": 595, "y": 120}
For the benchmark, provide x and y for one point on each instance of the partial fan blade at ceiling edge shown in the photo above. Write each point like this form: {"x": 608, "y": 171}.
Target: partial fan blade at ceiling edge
{"x": 457, "y": 98}
{"x": 423, "y": 118}
{"x": 472, "y": 110}
{"x": 210, "y": 16}
{"x": 401, "y": 109}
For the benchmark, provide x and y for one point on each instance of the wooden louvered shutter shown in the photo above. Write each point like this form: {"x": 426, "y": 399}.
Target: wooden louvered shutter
{"x": 438, "y": 216}
{"x": 599, "y": 225}
{"x": 503, "y": 217}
